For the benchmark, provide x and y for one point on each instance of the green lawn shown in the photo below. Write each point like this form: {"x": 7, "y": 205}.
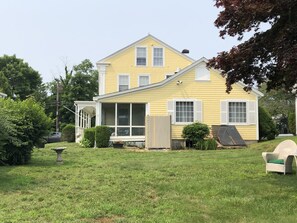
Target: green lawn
{"x": 114, "y": 185}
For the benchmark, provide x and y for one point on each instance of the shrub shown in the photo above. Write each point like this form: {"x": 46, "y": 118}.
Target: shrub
{"x": 292, "y": 122}
{"x": 195, "y": 132}
{"x": 24, "y": 123}
{"x": 68, "y": 133}
{"x": 210, "y": 144}
{"x": 207, "y": 144}
{"x": 102, "y": 136}
{"x": 89, "y": 136}
{"x": 267, "y": 128}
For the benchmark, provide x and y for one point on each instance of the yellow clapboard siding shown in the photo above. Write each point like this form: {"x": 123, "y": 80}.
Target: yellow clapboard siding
{"x": 125, "y": 63}
{"x": 209, "y": 92}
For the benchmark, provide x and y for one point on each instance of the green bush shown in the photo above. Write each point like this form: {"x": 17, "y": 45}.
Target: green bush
{"x": 195, "y": 133}
{"x": 267, "y": 128}
{"x": 24, "y": 124}
{"x": 89, "y": 137}
{"x": 210, "y": 144}
{"x": 207, "y": 144}
{"x": 102, "y": 136}
{"x": 292, "y": 122}
{"x": 68, "y": 133}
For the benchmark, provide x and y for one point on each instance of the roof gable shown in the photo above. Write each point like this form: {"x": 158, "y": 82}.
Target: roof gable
{"x": 149, "y": 36}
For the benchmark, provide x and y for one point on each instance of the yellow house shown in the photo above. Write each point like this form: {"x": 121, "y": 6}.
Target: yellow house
{"x": 150, "y": 78}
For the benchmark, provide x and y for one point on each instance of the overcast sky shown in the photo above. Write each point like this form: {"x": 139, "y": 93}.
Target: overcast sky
{"x": 48, "y": 33}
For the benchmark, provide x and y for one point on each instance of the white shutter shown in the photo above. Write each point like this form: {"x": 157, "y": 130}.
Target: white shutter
{"x": 252, "y": 112}
{"x": 198, "y": 111}
{"x": 224, "y": 112}
{"x": 170, "y": 110}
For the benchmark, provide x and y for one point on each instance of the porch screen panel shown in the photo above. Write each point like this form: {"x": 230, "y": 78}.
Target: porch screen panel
{"x": 123, "y": 120}
{"x": 123, "y": 114}
{"x": 138, "y": 119}
{"x": 108, "y": 114}
{"x": 138, "y": 114}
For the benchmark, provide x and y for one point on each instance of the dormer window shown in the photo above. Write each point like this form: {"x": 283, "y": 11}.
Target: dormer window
{"x": 140, "y": 56}
{"x": 158, "y": 57}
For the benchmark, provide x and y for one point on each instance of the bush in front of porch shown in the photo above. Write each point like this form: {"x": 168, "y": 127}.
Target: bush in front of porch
{"x": 102, "y": 136}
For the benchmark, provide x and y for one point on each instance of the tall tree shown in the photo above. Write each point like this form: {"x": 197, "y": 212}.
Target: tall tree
{"x": 21, "y": 80}
{"x": 268, "y": 56}
{"x": 79, "y": 83}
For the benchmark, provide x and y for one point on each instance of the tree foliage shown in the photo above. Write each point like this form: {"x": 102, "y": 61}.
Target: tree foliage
{"x": 277, "y": 102}
{"x": 78, "y": 83}
{"x": 267, "y": 128}
{"x": 17, "y": 78}
{"x": 268, "y": 56}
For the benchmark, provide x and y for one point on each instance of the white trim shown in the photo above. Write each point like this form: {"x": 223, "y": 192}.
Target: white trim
{"x": 144, "y": 75}
{"x": 127, "y": 138}
{"x": 195, "y": 115}
{"x": 163, "y": 56}
{"x": 146, "y": 56}
{"x": 257, "y": 119}
{"x": 246, "y": 112}
{"x": 101, "y": 77}
{"x": 98, "y": 113}
{"x": 147, "y": 109}
{"x": 118, "y": 82}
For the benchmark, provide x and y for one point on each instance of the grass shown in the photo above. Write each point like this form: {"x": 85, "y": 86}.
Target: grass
{"x": 114, "y": 185}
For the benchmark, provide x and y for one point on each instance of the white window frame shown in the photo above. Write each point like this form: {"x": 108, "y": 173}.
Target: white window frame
{"x": 197, "y": 110}
{"x": 246, "y": 113}
{"x": 202, "y": 69}
{"x": 130, "y": 126}
{"x": 163, "y": 56}
{"x": 175, "y": 114}
{"x": 146, "y": 56}
{"x": 225, "y": 112}
{"x": 144, "y": 75}
{"x": 119, "y": 80}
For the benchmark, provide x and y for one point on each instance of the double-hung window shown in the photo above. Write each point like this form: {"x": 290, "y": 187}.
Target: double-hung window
{"x": 184, "y": 111}
{"x": 140, "y": 56}
{"x": 123, "y": 82}
{"x": 237, "y": 112}
{"x": 158, "y": 56}
{"x": 143, "y": 80}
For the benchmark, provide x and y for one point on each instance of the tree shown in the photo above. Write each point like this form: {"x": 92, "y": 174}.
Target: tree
{"x": 267, "y": 128}
{"x": 79, "y": 83}
{"x": 20, "y": 80}
{"x": 268, "y": 56}
{"x": 279, "y": 104}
